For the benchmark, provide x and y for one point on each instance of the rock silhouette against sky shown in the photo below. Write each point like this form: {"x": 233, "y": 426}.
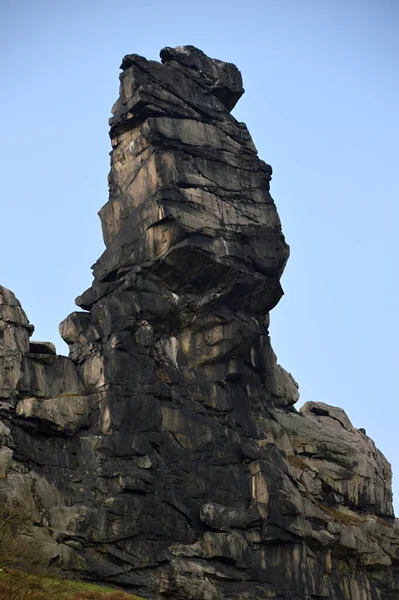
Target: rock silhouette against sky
{"x": 166, "y": 454}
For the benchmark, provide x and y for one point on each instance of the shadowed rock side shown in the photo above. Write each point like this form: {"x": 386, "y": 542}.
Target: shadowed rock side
{"x": 165, "y": 454}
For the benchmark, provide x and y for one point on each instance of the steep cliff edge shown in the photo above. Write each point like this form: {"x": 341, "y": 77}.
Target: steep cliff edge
{"x": 165, "y": 454}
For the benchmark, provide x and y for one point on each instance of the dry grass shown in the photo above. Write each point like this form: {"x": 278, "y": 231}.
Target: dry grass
{"x": 163, "y": 375}
{"x": 19, "y": 585}
{"x": 298, "y": 462}
{"x": 24, "y": 570}
{"x": 100, "y": 595}
{"x": 337, "y": 515}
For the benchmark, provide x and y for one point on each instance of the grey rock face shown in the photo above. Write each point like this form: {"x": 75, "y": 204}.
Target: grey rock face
{"x": 165, "y": 454}
{"x": 14, "y": 343}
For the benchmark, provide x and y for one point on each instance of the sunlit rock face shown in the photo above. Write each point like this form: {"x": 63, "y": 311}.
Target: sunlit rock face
{"x": 165, "y": 454}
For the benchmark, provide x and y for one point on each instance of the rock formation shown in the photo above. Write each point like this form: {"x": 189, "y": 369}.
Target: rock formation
{"x": 165, "y": 454}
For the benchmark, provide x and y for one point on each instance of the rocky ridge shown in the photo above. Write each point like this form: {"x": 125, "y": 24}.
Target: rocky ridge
{"x": 165, "y": 454}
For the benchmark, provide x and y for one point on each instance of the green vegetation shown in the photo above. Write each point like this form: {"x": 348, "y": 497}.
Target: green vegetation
{"x": 24, "y": 571}
{"x": 19, "y": 585}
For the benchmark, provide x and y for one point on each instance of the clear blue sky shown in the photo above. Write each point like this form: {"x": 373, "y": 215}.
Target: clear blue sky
{"x": 322, "y": 106}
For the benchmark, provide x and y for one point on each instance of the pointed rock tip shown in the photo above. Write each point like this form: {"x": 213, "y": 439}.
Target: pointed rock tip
{"x": 222, "y": 78}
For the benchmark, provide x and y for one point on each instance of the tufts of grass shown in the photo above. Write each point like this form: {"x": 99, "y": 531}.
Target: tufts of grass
{"x": 337, "y": 515}
{"x": 91, "y": 591}
{"x": 296, "y": 461}
{"x": 19, "y": 585}
{"x": 24, "y": 570}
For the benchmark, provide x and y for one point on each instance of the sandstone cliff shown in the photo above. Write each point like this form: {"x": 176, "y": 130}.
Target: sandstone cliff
{"x": 165, "y": 454}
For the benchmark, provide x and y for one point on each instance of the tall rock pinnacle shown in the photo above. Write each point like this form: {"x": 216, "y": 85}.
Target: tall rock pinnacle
{"x": 165, "y": 454}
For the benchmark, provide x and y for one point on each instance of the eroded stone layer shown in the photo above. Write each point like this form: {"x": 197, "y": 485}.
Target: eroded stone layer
{"x": 165, "y": 454}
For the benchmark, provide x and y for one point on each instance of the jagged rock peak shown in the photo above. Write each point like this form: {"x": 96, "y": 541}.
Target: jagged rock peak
{"x": 187, "y": 84}
{"x": 165, "y": 454}
{"x": 220, "y": 78}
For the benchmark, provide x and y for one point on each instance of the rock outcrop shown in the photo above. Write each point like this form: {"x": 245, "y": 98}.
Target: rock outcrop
{"x": 165, "y": 454}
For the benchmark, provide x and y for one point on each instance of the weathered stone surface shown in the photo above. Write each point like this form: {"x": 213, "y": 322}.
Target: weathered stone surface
{"x": 6, "y": 455}
{"x": 67, "y": 413}
{"x": 165, "y": 454}
{"x": 14, "y": 343}
{"x": 41, "y": 348}
{"x": 349, "y": 469}
{"x": 48, "y": 376}
{"x": 225, "y": 518}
